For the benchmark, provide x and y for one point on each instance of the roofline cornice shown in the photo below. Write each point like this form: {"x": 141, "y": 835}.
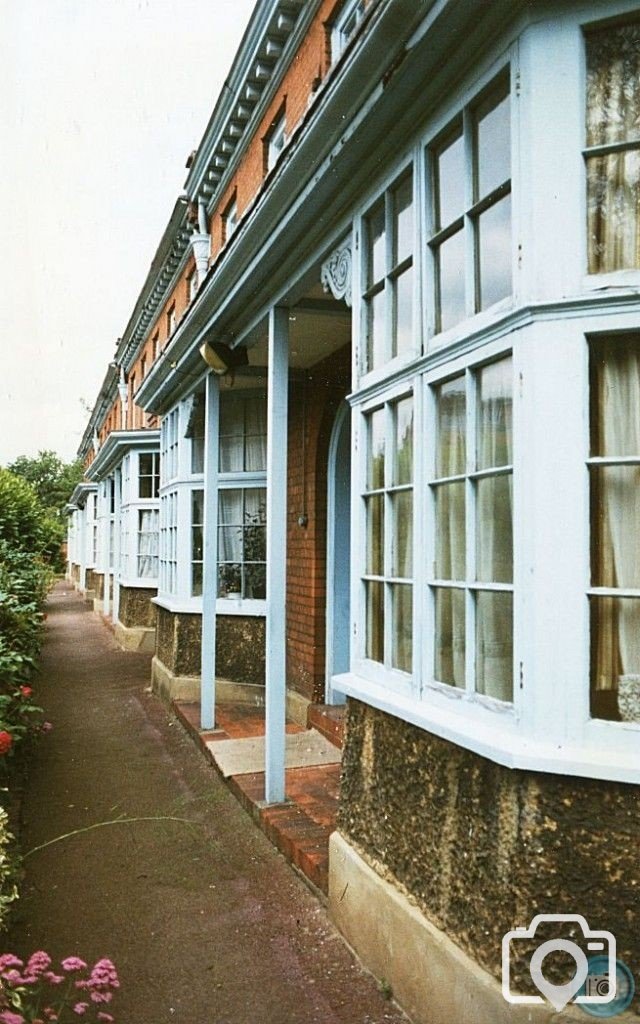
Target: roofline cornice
{"x": 118, "y": 443}
{"x": 273, "y": 36}
{"x": 81, "y": 491}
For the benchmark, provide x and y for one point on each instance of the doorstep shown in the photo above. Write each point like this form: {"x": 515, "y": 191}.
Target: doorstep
{"x": 300, "y": 827}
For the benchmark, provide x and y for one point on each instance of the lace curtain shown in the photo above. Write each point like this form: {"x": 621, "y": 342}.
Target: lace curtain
{"x": 494, "y": 539}
{"x": 148, "y": 543}
{"x": 613, "y": 117}
{"x": 616, "y": 512}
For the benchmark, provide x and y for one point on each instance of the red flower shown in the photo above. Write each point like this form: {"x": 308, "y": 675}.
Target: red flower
{"x": 26, "y": 691}
{"x": 6, "y": 739}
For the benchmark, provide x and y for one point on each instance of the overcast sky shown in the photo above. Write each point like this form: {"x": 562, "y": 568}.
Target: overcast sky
{"x": 102, "y": 101}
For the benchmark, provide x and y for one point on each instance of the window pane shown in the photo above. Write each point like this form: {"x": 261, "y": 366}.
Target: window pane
{"x": 401, "y": 603}
{"x": 449, "y": 666}
{"x": 494, "y": 645}
{"x": 615, "y": 396}
{"x": 494, "y": 145}
{"x": 230, "y": 580}
{"x": 375, "y": 535}
{"x": 376, "y": 354}
{"x": 613, "y": 84}
{"x": 197, "y": 455}
{"x": 256, "y": 439}
{"x": 402, "y": 511}
{"x": 615, "y": 658}
{"x": 145, "y": 464}
{"x": 229, "y": 543}
{"x": 494, "y": 536}
{"x": 376, "y": 263}
{"x": 375, "y": 474}
{"x": 450, "y": 177}
{"x": 197, "y": 507}
{"x": 403, "y": 458}
{"x": 451, "y": 455}
{"x": 403, "y": 313}
{"x": 494, "y": 253}
{"x": 403, "y": 220}
{"x": 231, "y": 418}
{"x": 615, "y": 503}
{"x": 375, "y": 621}
{"x": 146, "y": 487}
{"x": 196, "y": 579}
{"x": 450, "y": 532}
{"x": 494, "y": 415}
{"x": 230, "y": 505}
{"x": 613, "y": 201}
{"x": 451, "y": 294}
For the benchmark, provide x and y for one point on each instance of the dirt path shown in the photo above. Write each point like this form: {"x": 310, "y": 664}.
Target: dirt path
{"x": 204, "y": 920}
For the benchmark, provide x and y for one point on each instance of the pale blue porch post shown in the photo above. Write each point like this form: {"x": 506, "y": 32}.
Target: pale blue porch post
{"x": 276, "y": 632}
{"x": 82, "y": 583}
{"x": 117, "y": 542}
{"x": 210, "y": 556}
{"x": 106, "y": 546}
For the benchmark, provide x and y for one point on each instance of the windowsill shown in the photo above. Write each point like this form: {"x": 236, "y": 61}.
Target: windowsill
{"x": 477, "y": 322}
{"x": 139, "y": 584}
{"x": 224, "y": 606}
{"x": 498, "y": 737}
{"x": 623, "y": 279}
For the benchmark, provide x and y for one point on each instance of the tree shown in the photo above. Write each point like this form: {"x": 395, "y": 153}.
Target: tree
{"x": 52, "y": 479}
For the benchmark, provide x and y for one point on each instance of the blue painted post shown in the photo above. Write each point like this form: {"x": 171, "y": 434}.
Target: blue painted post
{"x": 106, "y": 548}
{"x": 117, "y": 541}
{"x": 277, "y": 400}
{"x": 210, "y": 556}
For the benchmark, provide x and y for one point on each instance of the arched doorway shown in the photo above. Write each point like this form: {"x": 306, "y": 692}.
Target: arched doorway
{"x": 338, "y": 552}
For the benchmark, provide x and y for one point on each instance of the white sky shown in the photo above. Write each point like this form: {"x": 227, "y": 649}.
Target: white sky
{"x": 101, "y": 103}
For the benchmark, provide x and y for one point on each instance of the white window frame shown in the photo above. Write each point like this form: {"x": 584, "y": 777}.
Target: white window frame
{"x": 131, "y": 507}
{"x": 411, "y": 162}
{"x": 230, "y": 219}
{"x": 346, "y": 26}
{"x": 276, "y": 140}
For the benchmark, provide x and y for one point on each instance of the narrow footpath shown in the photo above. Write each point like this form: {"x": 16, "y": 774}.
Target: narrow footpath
{"x": 204, "y": 920}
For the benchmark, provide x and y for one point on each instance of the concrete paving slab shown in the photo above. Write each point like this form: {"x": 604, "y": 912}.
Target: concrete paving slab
{"x": 245, "y": 756}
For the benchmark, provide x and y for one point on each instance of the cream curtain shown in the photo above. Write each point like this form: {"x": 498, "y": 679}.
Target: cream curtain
{"x": 494, "y": 544}
{"x": 451, "y": 534}
{"x": 616, "y": 512}
{"x": 148, "y": 543}
{"x": 613, "y": 116}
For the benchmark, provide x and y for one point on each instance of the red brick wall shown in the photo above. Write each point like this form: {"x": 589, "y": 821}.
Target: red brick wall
{"x": 313, "y": 407}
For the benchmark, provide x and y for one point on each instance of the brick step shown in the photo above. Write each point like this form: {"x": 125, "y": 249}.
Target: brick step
{"x": 328, "y": 719}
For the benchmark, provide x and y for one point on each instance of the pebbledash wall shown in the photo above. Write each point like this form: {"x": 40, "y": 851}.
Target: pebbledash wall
{"x": 459, "y": 163}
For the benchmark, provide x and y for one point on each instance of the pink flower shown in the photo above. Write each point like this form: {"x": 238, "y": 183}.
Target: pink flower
{"x": 26, "y": 691}
{"x": 13, "y": 976}
{"x": 46, "y": 726}
{"x": 6, "y": 740}
{"x": 81, "y": 1008}
{"x": 9, "y": 960}
{"x": 106, "y": 1017}
{"x": 7, "y": 1017}
{"x": 101, "y": 997}
{"x": 50, "y": 1014}
{"x": 53, "y": 979}
{"x": 38, "y": 962}
{"x": 73, "y": 963}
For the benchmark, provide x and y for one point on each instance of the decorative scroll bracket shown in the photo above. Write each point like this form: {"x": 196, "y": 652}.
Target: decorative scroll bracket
{"x": 335, "y": 274}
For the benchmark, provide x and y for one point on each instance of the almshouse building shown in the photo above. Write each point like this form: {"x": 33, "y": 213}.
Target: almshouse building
{"x": 372, "y": 434}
